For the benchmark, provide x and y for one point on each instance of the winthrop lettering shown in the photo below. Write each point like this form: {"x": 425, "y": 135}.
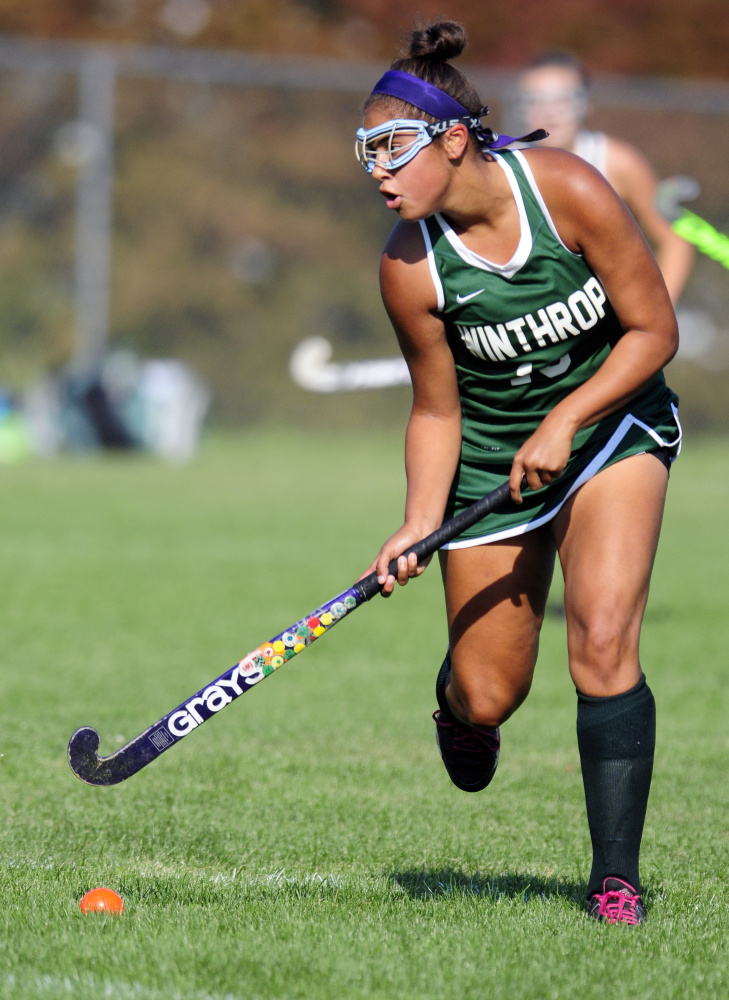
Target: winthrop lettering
{"x": 554, "y": 323}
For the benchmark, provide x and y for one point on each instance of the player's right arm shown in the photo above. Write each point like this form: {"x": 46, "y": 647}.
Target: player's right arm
{"x": 433, "y": 437}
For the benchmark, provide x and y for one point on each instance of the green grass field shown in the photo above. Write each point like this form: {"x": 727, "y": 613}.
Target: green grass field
{"x": 307, "y": 843}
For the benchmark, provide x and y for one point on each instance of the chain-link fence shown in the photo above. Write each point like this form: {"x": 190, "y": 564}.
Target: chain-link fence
{"x": 207, "y": 207}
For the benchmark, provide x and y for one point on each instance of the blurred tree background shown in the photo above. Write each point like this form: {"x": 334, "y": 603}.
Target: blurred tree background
{"x": 241, "y": 222}
{"x": 649, "y": 37}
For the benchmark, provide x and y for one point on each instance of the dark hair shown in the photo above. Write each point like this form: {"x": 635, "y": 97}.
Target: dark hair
{"x": 563, "y": 59}
{"x": 430, "y": 47}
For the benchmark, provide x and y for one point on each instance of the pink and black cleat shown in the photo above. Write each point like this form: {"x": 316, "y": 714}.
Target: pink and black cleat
{"x": 618, "y": 903}
{"x": 470, "y": 755}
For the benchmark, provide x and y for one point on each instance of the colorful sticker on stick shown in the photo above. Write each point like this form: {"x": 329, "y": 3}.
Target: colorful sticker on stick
{"x": 271, "y": 655}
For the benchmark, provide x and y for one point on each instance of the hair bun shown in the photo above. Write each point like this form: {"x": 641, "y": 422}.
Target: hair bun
{"x": 438, "y": 41}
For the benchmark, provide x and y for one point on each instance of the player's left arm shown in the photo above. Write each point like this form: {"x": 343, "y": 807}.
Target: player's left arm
{"x": 593, "y": 221}
{"x": 636, "y": 182}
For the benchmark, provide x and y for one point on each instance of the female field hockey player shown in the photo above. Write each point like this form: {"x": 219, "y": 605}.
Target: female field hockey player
{"x": 535, "y": 323}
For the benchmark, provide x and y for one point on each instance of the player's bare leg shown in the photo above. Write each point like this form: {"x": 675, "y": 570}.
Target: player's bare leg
{"x": 612, "y": 522}
{"x": 495, "y": 599}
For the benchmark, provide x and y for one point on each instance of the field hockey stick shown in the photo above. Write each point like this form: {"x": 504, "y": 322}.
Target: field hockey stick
{"x": 310, "y": 367}
{"x": 691, "y": 227}
{"x": 83, "y": 746}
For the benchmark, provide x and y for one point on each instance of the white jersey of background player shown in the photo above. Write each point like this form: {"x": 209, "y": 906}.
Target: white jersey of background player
{"x": 553, "y": 94}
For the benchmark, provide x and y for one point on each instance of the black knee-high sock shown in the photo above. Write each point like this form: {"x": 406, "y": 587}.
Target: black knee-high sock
{"x": 616, "y": 738}
{"x": 440, "y": 686}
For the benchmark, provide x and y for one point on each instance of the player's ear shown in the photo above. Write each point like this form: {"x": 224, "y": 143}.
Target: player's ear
{"x": 455, "y": 141}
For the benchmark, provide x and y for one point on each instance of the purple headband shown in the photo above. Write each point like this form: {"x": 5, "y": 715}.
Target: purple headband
{"x": 420, "y": 94}
{"x": 435, "y": 102}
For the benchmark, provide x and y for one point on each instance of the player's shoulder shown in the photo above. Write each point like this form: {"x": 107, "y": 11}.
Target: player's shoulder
{"x": 559, "y": 167}
{"x": 405, "y": 243}
{"x": 622, "y": 151}
{"x": 568, "y": 183}
{"x": 405, "y": 256}
{"x": 579, "y": 199}
{"x": 404, "y": 268}
{"x": 626, "y": 164}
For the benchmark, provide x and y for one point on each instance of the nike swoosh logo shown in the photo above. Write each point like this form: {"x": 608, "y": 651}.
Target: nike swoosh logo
{"x": 460, "y": 299}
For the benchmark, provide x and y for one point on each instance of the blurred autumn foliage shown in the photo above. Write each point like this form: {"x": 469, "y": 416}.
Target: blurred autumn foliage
{"x": 653, "y": 37}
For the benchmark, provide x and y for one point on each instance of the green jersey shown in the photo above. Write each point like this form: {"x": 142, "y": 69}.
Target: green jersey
{"x": 525, "y": 334}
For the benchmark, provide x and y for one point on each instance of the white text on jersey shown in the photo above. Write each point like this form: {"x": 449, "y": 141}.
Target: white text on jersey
{"x": 552, "y": 324}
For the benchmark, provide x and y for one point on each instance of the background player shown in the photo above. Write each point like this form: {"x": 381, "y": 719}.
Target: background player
{"x": 553, "y": 93}
{"x": 535, "y": 324}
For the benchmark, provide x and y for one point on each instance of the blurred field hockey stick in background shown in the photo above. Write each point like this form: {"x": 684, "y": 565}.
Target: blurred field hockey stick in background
{"x": 260, "y": 663}
{"x": 311, "y": 368}
{"x": 669, "y": 197}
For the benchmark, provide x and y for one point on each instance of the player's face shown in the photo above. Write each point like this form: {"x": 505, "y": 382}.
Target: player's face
{"x": 412, "y": 190}
{"x": 552, "y": 97}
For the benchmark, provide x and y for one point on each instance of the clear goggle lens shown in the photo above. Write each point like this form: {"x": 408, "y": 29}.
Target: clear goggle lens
{"x": 392, "y": 144}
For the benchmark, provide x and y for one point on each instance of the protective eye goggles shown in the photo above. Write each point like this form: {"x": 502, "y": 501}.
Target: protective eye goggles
{"x": 395, "y": 143}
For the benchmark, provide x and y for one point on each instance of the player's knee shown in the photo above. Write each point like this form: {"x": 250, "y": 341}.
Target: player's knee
{"x": 601, "y": 646}
{"x": 491, "y": 705}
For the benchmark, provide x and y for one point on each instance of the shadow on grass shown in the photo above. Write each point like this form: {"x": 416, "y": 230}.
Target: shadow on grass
{"x": 432, "y": 883}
